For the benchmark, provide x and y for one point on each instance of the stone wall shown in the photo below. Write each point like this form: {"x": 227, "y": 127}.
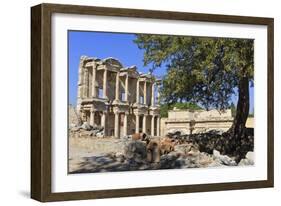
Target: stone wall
{"x": 196, "y": 121}
{"x": 250, "y": 122}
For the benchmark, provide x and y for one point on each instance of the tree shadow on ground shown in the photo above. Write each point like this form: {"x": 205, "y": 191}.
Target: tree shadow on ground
{"x": 106, "y": 163}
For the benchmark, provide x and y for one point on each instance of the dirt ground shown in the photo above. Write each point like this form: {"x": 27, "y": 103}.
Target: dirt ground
{"x": 81, "y": 148}
{"x": 88, "y": 153}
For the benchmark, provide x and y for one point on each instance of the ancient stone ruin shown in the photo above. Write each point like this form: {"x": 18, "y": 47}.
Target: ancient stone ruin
{"x": 189, "y": 122}
{"x": 121, "y": 100}
{"x": 116, "y": 126}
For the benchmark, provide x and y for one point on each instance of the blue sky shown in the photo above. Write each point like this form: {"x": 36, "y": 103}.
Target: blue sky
{"x": 103, "y": 45}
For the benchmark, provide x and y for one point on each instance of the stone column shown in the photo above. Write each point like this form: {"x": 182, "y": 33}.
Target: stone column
{"x": 105, "y": 84}
{"x": 117, "y": 87}
{"x": 80, "y": 86}
{"x": 144, "y": 123}
{"x": 94, "y": 89}
{"x": 144, "y": 92}
{"x": 126, "y": 87}
{"x": 103, "y": 122}
{"x": 125, "y": 124}
{"x": 157, "y": 94}
{"x": 116, "y": 124}
{"x": 92, "y": 116}
{"x": 86, "y": 82}
{"x": 152, "y": 94}
{"x": 158, "y": 126}
{"x": 83, "y": 114}
{"x": 80, "y": 80}
{"x": 137, "y": 123}
{"x": 138, "y": 92}
{"x": 152, "y": 125}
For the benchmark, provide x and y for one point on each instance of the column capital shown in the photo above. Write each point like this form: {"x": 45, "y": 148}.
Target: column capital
{"x": 127, "y": 113}
{"x": 93, "y": 110}
{"x": 116, "y": 110}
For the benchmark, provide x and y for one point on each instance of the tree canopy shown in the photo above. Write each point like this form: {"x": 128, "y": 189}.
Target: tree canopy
{"x": 164, "y": 108}
{"x": 200, "y": 70}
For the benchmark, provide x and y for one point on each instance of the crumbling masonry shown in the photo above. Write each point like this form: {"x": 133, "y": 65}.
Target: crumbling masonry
{"x": 122, "y": 100}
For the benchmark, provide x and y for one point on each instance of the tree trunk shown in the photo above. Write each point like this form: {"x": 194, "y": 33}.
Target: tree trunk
{"x": 239, "y": 143}
{"x": 238, "y": 127}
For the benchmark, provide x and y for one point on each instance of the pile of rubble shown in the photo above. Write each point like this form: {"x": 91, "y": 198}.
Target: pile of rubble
{"x": 185, "y": 155}
{"x": 143, "y": 152}
{"x": 181, "y": 155}
{"x": 87, "y": 130}
{"x": 220, "y": 141}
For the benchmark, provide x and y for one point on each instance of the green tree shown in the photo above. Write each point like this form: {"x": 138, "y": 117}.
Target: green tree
{"x": 201, "y": 70}
{"x": 164, "y": 108}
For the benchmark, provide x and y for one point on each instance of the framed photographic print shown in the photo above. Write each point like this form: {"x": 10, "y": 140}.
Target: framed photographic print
{"x": 130, "y": 102}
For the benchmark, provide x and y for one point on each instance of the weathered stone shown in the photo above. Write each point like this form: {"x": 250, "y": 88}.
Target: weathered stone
{"x": 110, "y": 74}
{"x": 250, "y": 156}
{"x": 245, "y": 162}
{"x": 75, "y": 129}
{"x": 224, "y": 159}
{"x": 182, "y": 148}
{"x": 138, "y": 136}
{"x": 225, "y": 143}
{"x": 97, "y": 128}
{"x": 71, "y": 125}
{"x": 174, "y": 134}
{"x": 153, "y": 151}
{"x": 216, "y": 163}
{"x": 180, "y": 161}
{"x": 136, "y": 151}
{"x": 198, "y": 121}
{"x": 187, "y": 149}
{"x": 100, "y": 134}
{"x": 168, "y": 161}
{"x": 86, "y": 126}
{"x": 120, "y": 157}
{"x": 249, "y": 160}
{"x": 205, "y": 159}
{"x": 126, "y": 137}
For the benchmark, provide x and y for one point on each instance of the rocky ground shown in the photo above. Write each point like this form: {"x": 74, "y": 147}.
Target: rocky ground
{"x": 90, "y": 151}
